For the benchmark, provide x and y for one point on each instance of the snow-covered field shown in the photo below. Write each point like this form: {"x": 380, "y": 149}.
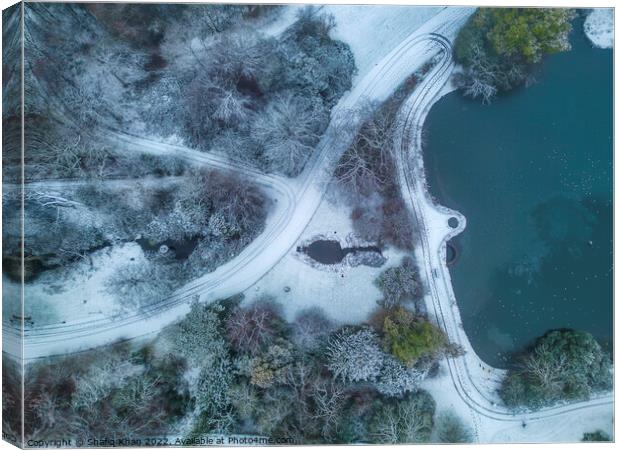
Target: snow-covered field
{"x": 79, "y": 293}
{"x": 347, "y": 295}
{"x": 599, "y": 27}
{"x": 555, "y": 429}
{"x": 373, "y": 30}
{"x": 285, "y": 19}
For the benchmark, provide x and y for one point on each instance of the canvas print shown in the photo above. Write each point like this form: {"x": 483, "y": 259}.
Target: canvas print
{"x": 230, "y": 225}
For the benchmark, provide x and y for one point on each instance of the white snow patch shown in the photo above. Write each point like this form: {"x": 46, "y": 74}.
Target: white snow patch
{"x": 286, "y": 17}
{"x": 372, "y": 31}
{"x": 78, "y": 293}
{"x": 599, "y": 27}
{"x": 562, "y": 428}
{"x": 347, "y": 295}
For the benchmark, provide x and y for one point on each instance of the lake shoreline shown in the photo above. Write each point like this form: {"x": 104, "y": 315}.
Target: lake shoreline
{"x": 560, "y": 230}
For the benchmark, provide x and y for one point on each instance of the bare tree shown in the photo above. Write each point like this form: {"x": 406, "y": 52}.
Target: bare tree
{"x": 310, "y": 328}
{"x": 354, "y": 355}
{"x": 288, "y": 131}
{"x": 137, "y": 285}
{"x": 451, "y": 429}
{"x": 329, "y": 398}
{"x": 210, "y": 104}
{"x": 367, "y": 164}
{"x": 548, "y": 372}
{"x": 277, "y": 406}
{"x": 249, "y": 329}
{"x": 233, "y": 56}
{"x": 409, "y": 420}
{"x": 480, "y": 76}
{"x": 484, "y": 77}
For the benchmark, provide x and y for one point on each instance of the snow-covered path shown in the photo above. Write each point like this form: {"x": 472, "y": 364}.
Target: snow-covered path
{"x": 284, "y": 225}
{"x": 470, "y": 384}
{"x": 473, "y": 383}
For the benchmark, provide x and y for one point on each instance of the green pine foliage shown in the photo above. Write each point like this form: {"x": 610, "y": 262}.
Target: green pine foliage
{"x": 410, "y": 338}
{"x": 497, "y": 46}
{"x": 562, "y": 365}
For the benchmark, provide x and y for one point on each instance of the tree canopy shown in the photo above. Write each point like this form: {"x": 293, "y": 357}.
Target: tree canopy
{"x": 410, "y": 338}
{"x": 497, "y": 46}
{"x": 562, "y": 365}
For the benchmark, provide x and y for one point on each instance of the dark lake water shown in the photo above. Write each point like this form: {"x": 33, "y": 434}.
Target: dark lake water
{"x": 532, "y": 172}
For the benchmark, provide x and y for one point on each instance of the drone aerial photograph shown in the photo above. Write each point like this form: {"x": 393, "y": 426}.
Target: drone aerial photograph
{"x": 306, "y": 224}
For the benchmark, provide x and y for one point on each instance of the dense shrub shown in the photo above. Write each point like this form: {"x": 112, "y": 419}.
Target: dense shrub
{"x": 273, "y": 365}
{"x": 316, "y": 64}
{"x": 497, "y": 46}
{"x": 562, "y": 365}
{"x": 407, "y": 420}
{"x": 200, "y": 333}
{"x": 254, "y": 328}
{"x": 366, "y": 176}
{"x": 200, "y": 338}
{"x": 400, "y": 285}
{"x": 354, "y": 354}
{"x": 394, "y": 379}
{"x": 412, "y": 339}
{"x": 596, "y": 436}
{"x": 11, "y": 399}
{"x": 287, "y": 144}
{"x": 101, "y": 393}
{"x": 188, "y": 379}
{"x": 248, "y": 86}
{"x": 228, "y": 83}
{"x": 310, "y": 329}
{"x": 450, "y": 429}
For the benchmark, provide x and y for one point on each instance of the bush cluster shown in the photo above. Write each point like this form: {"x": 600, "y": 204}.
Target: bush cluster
{"x": 498, "y": 46}
{"x": 367, "y": 179}
{"x": 562, "y": 365}
{"x": 231, "y": 367}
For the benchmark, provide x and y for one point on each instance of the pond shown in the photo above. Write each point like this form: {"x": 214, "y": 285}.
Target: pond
{"x": 532, "y": 172}
{"x": 331, "y": 252}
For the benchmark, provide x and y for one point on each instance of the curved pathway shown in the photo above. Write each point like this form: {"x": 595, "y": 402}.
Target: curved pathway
{"x": 467, "y": 371}
{"x": 295, "y": 202}
{"x": 284, "y": 225}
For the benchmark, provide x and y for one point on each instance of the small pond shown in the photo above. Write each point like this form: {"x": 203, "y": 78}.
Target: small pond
{"x": 331, "y": 252}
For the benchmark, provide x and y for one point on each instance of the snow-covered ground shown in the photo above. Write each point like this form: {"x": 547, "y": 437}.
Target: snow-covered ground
{"x": 309, "y": 287}
{"x": 347, "y": 295}
{"x": 79, "y": 293}
{"x": 599, "y": 27}
{"x": 373, "y": 30}
{"x": 285, "y": 18}
{"x": 554, "y": 429}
